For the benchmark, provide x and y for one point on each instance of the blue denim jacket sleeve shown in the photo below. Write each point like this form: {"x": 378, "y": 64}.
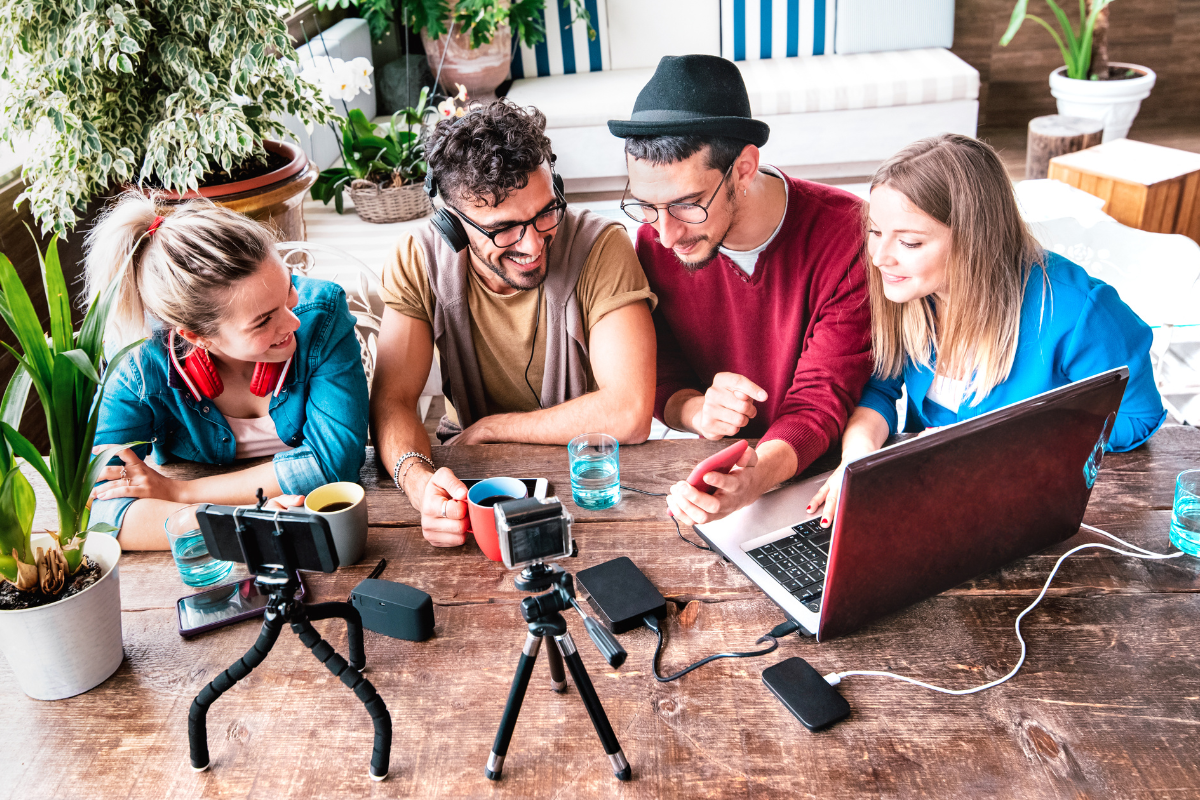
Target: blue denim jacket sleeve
{"x": 125, "y": 416}
{"x": 1109, "y": 334}
{"x": 335, "y": 424}
{"x": 881, "y": 394}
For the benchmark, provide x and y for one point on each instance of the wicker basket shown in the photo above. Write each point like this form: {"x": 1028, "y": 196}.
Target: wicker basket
{"x": 394, "y": 204}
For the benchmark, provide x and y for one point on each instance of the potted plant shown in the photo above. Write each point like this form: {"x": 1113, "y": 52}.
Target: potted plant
{"x": 177, "y": 94}
{"x": 383, "y": 166}
{"x": 1088, "y": 84}
{"x": 467, "y": 42}
{"x": 60, "y": 626}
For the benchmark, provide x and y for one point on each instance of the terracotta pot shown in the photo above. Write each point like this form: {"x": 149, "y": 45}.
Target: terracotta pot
{"x": 276, "y": 198}
{"x": 480, "y": 70}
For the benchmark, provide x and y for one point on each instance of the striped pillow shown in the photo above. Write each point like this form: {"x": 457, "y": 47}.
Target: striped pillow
{"x": 566, "y": 49}
{"x": 756, "y": 29}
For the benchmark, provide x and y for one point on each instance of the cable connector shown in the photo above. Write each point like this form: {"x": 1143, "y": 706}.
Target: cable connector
{"x": 833, "y": 679}
{"x": 651, "y": 622}
{"x": 783, "y": 629}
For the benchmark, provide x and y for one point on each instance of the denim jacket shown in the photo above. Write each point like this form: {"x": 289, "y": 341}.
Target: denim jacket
{"x": 321, "y": 411}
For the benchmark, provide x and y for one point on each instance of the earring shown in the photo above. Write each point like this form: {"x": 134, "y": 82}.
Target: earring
{"x": 744, "y": 192}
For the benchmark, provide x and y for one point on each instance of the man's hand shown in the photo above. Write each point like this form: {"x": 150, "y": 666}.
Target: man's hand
{"x": 727, "y": 406}
{"x": 442, "y": 500}
{"x": 736, "y": 489}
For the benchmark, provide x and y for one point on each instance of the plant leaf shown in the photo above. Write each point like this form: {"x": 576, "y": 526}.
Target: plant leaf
{"x": 84, "y": 364}
{"x": 17, "y": 311}
{"x": 1014, "y": 22}
{"x": 24, "y": 448}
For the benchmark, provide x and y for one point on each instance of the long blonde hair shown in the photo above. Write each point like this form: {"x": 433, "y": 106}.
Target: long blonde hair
{"x": 177, "y": 273}
{"x": 961, "y": 183}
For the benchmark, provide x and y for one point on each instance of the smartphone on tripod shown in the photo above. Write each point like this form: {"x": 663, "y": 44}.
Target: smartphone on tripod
{"x": 222, "y": 605}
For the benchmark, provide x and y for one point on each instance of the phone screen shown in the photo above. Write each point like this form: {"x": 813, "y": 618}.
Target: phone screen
{"x": 537, "y": 486}
{"x": 210, "y": 609}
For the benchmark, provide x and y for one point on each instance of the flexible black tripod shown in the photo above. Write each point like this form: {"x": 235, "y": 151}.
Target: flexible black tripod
{"x": 281, "y": 584}
{"x": 542, "y": 614}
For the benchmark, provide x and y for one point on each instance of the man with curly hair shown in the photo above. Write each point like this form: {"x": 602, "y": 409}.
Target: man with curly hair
{"x": 540, "y": 314}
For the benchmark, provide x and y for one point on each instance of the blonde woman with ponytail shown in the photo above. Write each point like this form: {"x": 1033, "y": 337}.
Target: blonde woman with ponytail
{"x": 241, "y": 360}
{"x": 969, "y": 314}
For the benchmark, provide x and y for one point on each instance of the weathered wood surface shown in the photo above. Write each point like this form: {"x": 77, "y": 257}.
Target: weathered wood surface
{"x": 1108, "y": 704}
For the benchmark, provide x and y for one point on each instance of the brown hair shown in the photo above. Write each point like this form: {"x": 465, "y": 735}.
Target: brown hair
{"x": 177, "y": 273}
{"x": 961, "y": 183}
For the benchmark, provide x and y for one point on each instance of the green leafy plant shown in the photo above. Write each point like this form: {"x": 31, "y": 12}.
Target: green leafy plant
{"x": 169, "y": 92}
{"x": 1076, "y": 46}
{"x": 64, "y": 368}
{"x": 392, "y": 154}
{"x": 480, "y": 17}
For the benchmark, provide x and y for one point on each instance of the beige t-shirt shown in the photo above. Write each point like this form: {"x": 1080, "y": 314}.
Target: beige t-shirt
{"x": 502, "y": 326}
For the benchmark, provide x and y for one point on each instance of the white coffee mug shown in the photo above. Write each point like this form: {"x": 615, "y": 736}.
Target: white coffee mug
{"x": 344, "y": 506}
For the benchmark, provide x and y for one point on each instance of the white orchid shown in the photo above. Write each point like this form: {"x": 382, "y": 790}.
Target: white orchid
{"x": 337, "y": 79}
{"x": 450, "y": 107}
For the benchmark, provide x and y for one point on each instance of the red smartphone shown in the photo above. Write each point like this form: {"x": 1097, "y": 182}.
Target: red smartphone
{"x": 721, "y": 462}
{"x": 223, "y": 605}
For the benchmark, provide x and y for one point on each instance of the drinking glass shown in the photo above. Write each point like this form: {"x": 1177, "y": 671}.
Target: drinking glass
{"x": 595, "y": 470}
{"x": 196, "y": 566}
{"x": 1185, "y": 515}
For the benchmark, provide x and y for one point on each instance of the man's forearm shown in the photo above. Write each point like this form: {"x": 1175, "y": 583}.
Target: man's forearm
{"x": 396, "y": 432}
{"x": 604, "y": 411}
{"x": 776, "y": 464}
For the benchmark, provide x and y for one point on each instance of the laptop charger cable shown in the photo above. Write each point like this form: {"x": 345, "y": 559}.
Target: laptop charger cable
{"x": 834, "y": 678}
{"x": 678, "y": 530}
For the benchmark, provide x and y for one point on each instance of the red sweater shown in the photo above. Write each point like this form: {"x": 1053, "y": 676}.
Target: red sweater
{"x": 799, "y": 327}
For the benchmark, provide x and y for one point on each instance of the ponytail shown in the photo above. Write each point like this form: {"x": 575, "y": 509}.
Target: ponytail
{"x": 175, "y": 273}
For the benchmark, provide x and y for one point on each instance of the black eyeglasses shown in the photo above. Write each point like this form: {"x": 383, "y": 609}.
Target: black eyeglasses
{"x": 691, "y": 213}
{"x": 546, "y": 221}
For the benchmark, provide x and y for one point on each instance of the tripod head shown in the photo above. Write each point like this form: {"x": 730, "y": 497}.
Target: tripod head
{"x": 546, "y": 607}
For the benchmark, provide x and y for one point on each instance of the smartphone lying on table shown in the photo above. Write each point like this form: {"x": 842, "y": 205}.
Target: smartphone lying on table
{"x": 537, "y": 486}
{"x": 223, "y": 605}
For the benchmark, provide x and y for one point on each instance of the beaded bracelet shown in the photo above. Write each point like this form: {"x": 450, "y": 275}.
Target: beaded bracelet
{"x": 397, "y": 478}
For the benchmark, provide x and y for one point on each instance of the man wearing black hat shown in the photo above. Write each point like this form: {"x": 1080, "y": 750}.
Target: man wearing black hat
{"x": 763, "y": 322}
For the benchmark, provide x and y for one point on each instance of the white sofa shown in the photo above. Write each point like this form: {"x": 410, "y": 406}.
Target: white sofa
{"x": 843, "y": 83}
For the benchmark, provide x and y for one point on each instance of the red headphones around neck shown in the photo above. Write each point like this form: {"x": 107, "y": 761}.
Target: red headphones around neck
{"x": 200, "y": 375}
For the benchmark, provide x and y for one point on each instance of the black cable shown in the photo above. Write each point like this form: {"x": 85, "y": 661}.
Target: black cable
{"x": 678, "y": 530}
{"x": 536, "y": 322}
{"x": 652, "y": 623}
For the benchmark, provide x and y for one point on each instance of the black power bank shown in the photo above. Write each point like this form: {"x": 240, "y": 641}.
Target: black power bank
{"x": 621, "y": 595}
{"x": 394, "y": 609}
{"x": 805, "y": 693}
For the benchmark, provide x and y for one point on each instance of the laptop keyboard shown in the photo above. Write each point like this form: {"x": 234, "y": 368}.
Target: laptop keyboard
{"x": 798, "y": 561}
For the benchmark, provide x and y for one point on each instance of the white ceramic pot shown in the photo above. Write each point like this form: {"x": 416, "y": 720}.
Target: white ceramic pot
{"x": 1115, "y": 102}
{"x": 66, "y": 648}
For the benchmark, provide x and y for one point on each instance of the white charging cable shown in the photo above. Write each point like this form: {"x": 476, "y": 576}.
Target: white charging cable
{"x": 834, "y": 678}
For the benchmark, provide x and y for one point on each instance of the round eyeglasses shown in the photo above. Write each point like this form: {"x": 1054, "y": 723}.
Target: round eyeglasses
{"x": 691, "y": 213}
{"x": 514, "y": 232}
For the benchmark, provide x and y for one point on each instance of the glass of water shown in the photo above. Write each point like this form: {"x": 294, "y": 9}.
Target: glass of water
{"x": 595, "y": 470}
{"x": 196, "y": 566}
{"x": 1185, "y": 515}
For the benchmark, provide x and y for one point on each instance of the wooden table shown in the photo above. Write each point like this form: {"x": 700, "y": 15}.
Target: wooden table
{"x": 1108, "y": 704}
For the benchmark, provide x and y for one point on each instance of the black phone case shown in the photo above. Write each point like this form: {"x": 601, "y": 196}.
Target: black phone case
{"x": 188, "y": 633}
{"x": 805, "y": 693}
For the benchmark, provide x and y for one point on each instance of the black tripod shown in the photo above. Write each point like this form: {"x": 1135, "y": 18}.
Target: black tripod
{"x": 281, "y": 585}
{"x": 542, "y": 614}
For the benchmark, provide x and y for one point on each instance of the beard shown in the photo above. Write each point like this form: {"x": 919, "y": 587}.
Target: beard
{"x": 521, "y": 281}
{"x": 699, "y": 261}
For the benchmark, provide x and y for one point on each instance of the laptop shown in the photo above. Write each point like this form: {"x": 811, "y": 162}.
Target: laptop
{"x": 922, "y": 516}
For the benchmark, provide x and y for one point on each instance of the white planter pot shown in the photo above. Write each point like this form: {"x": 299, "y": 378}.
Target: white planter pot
{"x": 65, "y": 648}
{"x": 1115, "y": 103}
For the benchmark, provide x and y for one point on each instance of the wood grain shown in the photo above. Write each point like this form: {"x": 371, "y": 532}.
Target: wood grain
{"x": 1108, "y": 704}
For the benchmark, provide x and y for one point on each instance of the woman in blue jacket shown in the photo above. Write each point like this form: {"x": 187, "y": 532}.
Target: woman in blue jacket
{"x": 969, "y": 314}
{"x": 241, "y": 360}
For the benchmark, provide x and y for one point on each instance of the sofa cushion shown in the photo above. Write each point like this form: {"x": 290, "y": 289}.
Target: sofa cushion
{"x": 566, "y": 50}
{"x": 871, "y": 26}
{"x": 754, "y": 29}
{"x": 640, "y": 33}
{"x": 776, "y": 86}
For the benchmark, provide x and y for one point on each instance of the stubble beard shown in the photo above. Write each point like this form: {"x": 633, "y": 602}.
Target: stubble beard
{"x": 696, "y": 264}
{"x": 521, "y": 282}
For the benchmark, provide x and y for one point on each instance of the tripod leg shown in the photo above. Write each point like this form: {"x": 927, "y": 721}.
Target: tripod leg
{"x": 583, "y": 683}
{"x": 354, "y": 629}
{"x": 382, "y": 752}
{"x": 198, "y": 713}
{"x": 512, "y": 708}
{"x": 558, "y": 678}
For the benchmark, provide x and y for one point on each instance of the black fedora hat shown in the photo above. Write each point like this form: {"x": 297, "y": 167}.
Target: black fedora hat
{"x": 694, "y": 94}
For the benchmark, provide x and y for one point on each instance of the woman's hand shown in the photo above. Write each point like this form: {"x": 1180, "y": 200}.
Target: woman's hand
{"x": 136, "y": 478}
{"x": 283, "y": 502}
{"x": 828, "y": 495}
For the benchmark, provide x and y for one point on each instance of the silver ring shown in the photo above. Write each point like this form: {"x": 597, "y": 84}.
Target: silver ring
{"x": 445, "y": 503}
{"x": 124, "y": 475}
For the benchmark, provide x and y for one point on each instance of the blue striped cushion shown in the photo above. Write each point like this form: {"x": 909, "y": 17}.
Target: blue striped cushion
{"x": 756, "y": 29}
{"x": 567, "y": 49}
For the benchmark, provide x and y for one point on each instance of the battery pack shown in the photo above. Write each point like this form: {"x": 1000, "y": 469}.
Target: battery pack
{"x": 394, "y": 609}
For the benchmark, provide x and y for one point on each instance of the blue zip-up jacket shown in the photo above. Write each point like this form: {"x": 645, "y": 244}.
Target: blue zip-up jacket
{"x": 321, "y": 411}
{"x": 1083, "y": 329}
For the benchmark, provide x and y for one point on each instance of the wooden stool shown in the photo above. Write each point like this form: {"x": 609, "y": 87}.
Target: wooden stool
{"x": 1056, "y": 135}
{"x": 1144, "y": 186}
